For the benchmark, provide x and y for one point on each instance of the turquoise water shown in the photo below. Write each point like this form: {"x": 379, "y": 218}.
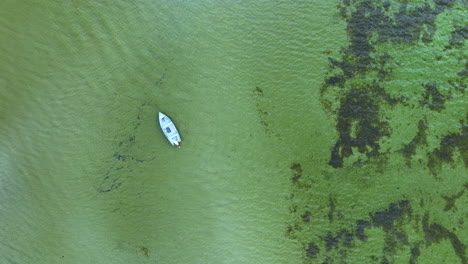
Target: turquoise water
{"x": 313, "y": 132}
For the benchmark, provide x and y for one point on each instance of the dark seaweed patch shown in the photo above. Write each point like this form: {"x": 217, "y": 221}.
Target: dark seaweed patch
{"x": 145, "y": 251}
{"x": 109, "y": 184}
{"x": 296, "y": 171}
{"x": 335, "y": 80}
{"x": 392, "y": 241}
{"x": 387, "y": 217}
{"x": 409, "y": 149}
{"x": 411, "y": 24}
{"x": 386, "y": 220}
{"x": 359, "y": 109}
{"x": 331, "y": 205}
{"x": 391, "y": 220}
{"x": 112, "y": 180}
{"x": 361, "y": 226}
{"x": 355, "y": 92}
{"x": 258, "y": 90}
{"x": 306, "y": 217}
{"x": 385, "y": 260}
{"x": 370, "y": 23}
{"x": 261, "y": 113}
{"x": 450, "y": 200}
{"x": 442, "y": 5}
{"x": 120, "y": 157}
{"x": 346, "y": 238}
{"x": 312, "y": 250}
{"x": 328, "y": 260}
{"x": 433, "y": 98}
{"x": 331, "y": 241}
{"x": 448, "y": 145}
{"x": 415, "y": 253}
{"x": 435, "y": 232}
{"x": 122, "y": 163}
{"x": 458, "y": 37}
{"x": 463, "y": 73}
{"x": 359, "y": 115}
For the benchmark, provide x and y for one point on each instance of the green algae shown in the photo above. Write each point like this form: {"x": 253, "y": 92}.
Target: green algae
{"x": 363, "y": 100}
{"x": 397, "y": 92}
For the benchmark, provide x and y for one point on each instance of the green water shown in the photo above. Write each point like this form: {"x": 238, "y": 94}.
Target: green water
{"x": 313, "y": 132}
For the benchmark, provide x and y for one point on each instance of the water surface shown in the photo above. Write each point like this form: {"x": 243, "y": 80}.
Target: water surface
{"x": 313, "y": 132}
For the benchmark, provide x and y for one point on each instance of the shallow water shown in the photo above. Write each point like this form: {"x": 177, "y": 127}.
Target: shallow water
{"x": 313, "y": 132}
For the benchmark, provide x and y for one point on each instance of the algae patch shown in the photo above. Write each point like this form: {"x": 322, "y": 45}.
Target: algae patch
{"x": 125, "y": 159}
{"x": 397, "y": 236}
{"x": 263, "y": 116}
{"x": 361, "y": 87}
{"x": 396, "y": 92}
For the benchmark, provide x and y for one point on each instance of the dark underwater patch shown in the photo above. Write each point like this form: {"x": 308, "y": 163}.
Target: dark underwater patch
{"x": 332, "y": 206}
{"x": 124, "y": 160}
{"x": 458, "y": 37}
{"x": 409, "y": 150}
{"x": 312, "y": 250}
{"x": 296, "y": 171}
{"x": 145, "y": 251}
{"x": 359, "y": 124}
{"x": 433, "y": 98}
{"x": 306, "y": 217}
{"x": 114, "y": 177}
{"x": 357, "y": 93}
{"x": 450, "y": 200}
{"x": 463, "y": 73}
{"x": 386, "y": 218}
{"x": 261, "y": 113}
{"x": 391, "y": 220}
{"x": 361, "y": 226}
{"x": 415, "y": 253}
{"x": 448, "y": 145}
{"x": 360, "y": 71}
{"x": 436, "y": 232}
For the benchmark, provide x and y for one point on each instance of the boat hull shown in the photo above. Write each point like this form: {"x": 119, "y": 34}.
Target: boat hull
{"x": 169, "y": 130}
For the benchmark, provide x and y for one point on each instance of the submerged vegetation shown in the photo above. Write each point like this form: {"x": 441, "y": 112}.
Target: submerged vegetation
{"x": 370, "y": 80}
{"x": 397, "y": 92}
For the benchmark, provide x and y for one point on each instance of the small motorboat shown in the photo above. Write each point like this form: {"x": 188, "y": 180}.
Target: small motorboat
{"x": 169, "y": 130}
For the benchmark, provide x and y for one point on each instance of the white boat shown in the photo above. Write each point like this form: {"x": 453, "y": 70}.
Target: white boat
{"x": 169, "y": 130}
